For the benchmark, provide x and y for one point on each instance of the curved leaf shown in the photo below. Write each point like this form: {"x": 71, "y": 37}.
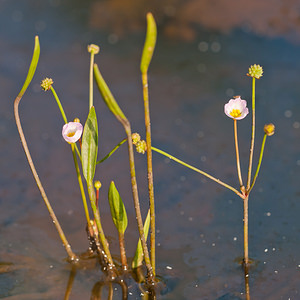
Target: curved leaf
{"x": 32, "y": 68}
{"x": 117, "y": 208}
{"x": 149, "y": 45}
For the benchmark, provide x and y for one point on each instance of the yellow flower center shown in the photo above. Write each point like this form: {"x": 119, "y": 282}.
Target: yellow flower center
{"x": 235, "y": 113}
{"x": 71, "y": 134}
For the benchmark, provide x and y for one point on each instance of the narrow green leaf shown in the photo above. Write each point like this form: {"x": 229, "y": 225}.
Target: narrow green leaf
{"x": 149, "y": 45}
{"x": 107, "y": 95}
{"x": 139, "y": 256}
{"x": 32, "y": 68}
{"x": 117, "y": 208}
{"x": 89, "y": 147}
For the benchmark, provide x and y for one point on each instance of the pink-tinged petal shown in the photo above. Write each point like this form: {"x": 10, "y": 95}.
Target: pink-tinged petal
{"x": 236, "y": 109}
{"x": 72, "y": 132}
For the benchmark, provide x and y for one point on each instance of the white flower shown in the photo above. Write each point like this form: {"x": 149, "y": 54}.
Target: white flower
{"x": 236, "y": 108}
{"x": 72, "y": 132}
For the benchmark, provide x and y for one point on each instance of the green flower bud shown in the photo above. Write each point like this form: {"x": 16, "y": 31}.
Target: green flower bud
{"x": 135, "y": 138}
{"x": 97, "y": 185}
{"x": 46, "y": 84}
{"x": 269, "y": 129}
{"x": 255, "y": 71}
{"x": 141, "y": 147}
{"x": 93, "y": 49}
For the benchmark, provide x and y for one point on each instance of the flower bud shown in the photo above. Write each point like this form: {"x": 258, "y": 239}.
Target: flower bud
{"x": 255, "y": 71}
{"x": 141, "y": 147}
{"x": 269, "y": 129}
{"x": 46, "y": 84}
{"x": 135, "y": 138}
{"x": 93, "y": 49}
{"x": 97, "y": 185}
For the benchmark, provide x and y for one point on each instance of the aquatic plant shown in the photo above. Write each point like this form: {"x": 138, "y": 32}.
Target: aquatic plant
{"x": 84, "y": 147}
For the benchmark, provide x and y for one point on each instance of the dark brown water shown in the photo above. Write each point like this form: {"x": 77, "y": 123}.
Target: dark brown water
{"x": 199, "y": 238}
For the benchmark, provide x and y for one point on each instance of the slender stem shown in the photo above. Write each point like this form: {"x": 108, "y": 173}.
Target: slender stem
{"x": 259, "y": 161}
{"x": 122, "y": 251}
{"x": 86, "y": 210}
{"x": 111, "y": 152}
{"x": 246, "y": 255}
{"x": 137, "y": 202}
{"x": 77, "y": 151}
{"x": 71, "y": 254}
{"x": 59, "y": 105}
{"x": 110, "y": 291}
{"x": 247, "y": 287}
{"x": 115, "y": 109}
{"x": 62, "y": 113}
{"x": 102, "y": 237}
{"x": 149, "y": 168}
{"x": 252, "y": 136}
{"x": 198, "y": 171}
{"x": 237, "y": 154}
{"x": 91, "y": 97}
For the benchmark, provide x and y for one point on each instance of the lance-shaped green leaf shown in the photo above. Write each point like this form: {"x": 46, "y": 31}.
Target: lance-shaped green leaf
{"x": 108, "y": 96}
{"x": 117, "y": 208}
{"x": 89, "y": 147}
{"x": 139, "y": 256}
{"x": 149, "y": 45}
{"x": 32, "y": 68}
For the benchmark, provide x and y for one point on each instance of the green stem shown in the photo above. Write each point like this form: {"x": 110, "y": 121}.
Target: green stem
{"x": 252, "y": 136}
{"x": 91, "y": 97}
{"x": 237, "y": 155}
{"x": 122, "y": 251}
{"x": 246, "y": 252}
{"x": 137, "y": 202}
{"x": 86, "y": 210}
{"x": 115, "y": 109}
{"x": 111, "y": 152}
{"x": 198, "y": 171}
{"x": 102, "y": 237}
{"x": 259, "y": 161}
{"x": 149, "y": 168}
{"x": 63, "y": 114}
{"x": 59, "y": 105}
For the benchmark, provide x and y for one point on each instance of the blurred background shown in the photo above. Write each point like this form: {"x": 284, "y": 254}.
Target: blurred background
{"x": 203, "y": 53}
